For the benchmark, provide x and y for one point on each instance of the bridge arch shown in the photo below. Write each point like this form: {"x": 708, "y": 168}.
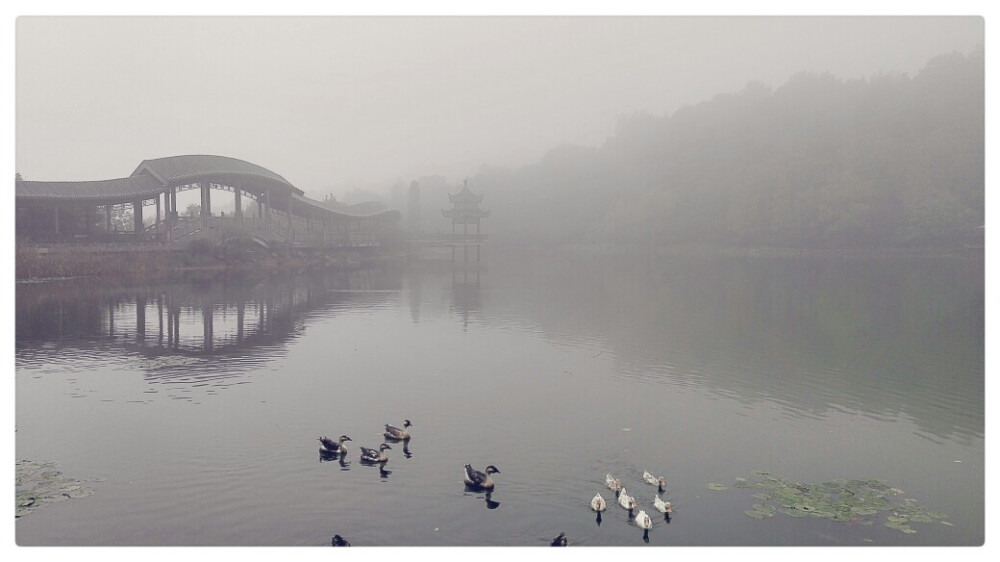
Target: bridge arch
{"x": 63, "y": 206}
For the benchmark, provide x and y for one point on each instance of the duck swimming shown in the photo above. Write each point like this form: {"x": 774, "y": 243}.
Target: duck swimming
{"x": 561, "y": 540}
{"x": 626, "y": 501}
{"x": 643, "y": 520}
{"x": 480, "y": 480}
{"x": 331, "y": 447}
{"x": 613, "y": 484}
{"x": 393, "y": 432}
{"x": 663, "y": 506}
{"x": 598, "y": 503}
{"x": 661, "y": 482}
{"x": 375, "y": 455}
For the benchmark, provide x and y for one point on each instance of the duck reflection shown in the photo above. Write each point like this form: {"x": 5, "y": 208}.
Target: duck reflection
{"x": 383, "y": 472}
{"x": 598, "y": 518}
{"x": 406, "y": 450}
{"x": 487, "y": 496}
{"x": 341, "y": 459}
{"x": 490, "y": 504}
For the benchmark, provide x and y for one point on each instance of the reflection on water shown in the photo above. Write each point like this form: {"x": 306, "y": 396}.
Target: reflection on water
{"x": 812, "y": 335}
{"x": 182, "y": 333}
{"x": 562, "y": 368}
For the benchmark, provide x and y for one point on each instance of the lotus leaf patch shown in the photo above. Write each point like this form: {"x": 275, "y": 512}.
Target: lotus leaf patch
{"x": 856, "y": 501}
{"x": 39, "y": 483}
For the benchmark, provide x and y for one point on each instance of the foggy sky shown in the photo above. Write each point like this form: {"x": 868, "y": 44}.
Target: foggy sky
{"x": 331, "y": 102}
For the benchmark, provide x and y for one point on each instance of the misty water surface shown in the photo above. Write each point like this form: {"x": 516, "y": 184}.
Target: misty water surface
{"x": 200, "y": 428}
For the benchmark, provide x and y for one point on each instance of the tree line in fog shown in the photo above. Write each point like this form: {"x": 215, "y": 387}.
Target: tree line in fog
{"x": 889, "y": 160}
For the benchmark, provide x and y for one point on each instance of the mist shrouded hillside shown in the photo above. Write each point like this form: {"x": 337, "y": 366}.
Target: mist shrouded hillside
{"x": 891, "y": 160}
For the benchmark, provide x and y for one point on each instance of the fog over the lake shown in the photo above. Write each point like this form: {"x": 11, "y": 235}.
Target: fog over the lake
{"x": 338, "y": 103}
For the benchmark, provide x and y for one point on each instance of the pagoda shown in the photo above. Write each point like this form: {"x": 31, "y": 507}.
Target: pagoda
{"x": 465, "y": 211}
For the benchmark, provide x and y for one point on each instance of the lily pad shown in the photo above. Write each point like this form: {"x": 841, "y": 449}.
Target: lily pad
{"x": 792, "y": 512}
{"x": 900, "y": 526}
{"x": 857, "y": 501}
{"x": 864, "y": 510}
{"x": 39, "y": 483}
{"x": 716, "y": 486}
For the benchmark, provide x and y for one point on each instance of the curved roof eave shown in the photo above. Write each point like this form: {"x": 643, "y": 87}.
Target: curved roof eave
{"x": 324, "y": 209}
{"x": 102, "y": 192}
{"x": 383, "y": 214}
{"x": 191, "y": 168}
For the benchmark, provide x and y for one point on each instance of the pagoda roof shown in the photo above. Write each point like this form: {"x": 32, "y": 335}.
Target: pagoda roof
{"x": 465, "y": 196}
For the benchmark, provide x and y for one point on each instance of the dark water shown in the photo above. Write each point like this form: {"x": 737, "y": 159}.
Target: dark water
{"x": 196, "y": 408}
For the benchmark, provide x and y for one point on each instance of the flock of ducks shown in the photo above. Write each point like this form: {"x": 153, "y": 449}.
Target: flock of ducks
{"x": 330, "y": 449}
{"x": 483, "y": 481}
{"x": 642, "y": 519}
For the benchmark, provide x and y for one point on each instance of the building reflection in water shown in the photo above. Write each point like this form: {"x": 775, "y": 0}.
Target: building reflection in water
{"x": 462, "y": 293}
{"x": 465, "y": 292}
{"x": 173, "y": 328}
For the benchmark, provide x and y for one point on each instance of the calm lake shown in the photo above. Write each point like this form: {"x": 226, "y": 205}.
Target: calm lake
{"x": 193, "y": 410}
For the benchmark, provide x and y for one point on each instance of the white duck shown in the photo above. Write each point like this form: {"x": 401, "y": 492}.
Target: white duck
{"x": 598, "y": 503}
{"x": 643, "y": 520}
{"x": 661, "y": 505}
{"x": 613, "y": 484}
{"x": 626, "y": 501}
{"x": 661, "y": 482}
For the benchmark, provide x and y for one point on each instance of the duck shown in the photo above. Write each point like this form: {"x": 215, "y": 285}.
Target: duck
{"x": 480, "y": 480}
{"x": 612, "y": 483}
{"x": 626, "y": 501}
{"x": 643, "y": 520}
{"x": 338, "y": 540}
{"x": 561, "y": 540}
{"x": 661, "y": 482}
{"x": 331, "y": 447}
{"x": 663, "y": 506}
{"x": 375, "y": 455}
{"x": 598, "y": 503}
{"x": 393, "y": 432}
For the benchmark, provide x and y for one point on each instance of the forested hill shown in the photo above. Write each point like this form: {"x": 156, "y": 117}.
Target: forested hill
{"x": 890, "y": 160}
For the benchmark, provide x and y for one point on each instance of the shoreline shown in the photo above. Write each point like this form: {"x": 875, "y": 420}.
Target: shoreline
{"x": 130, "y": 267}
{"x": 779, "y": 252}
{"x": 127, "y": 268}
